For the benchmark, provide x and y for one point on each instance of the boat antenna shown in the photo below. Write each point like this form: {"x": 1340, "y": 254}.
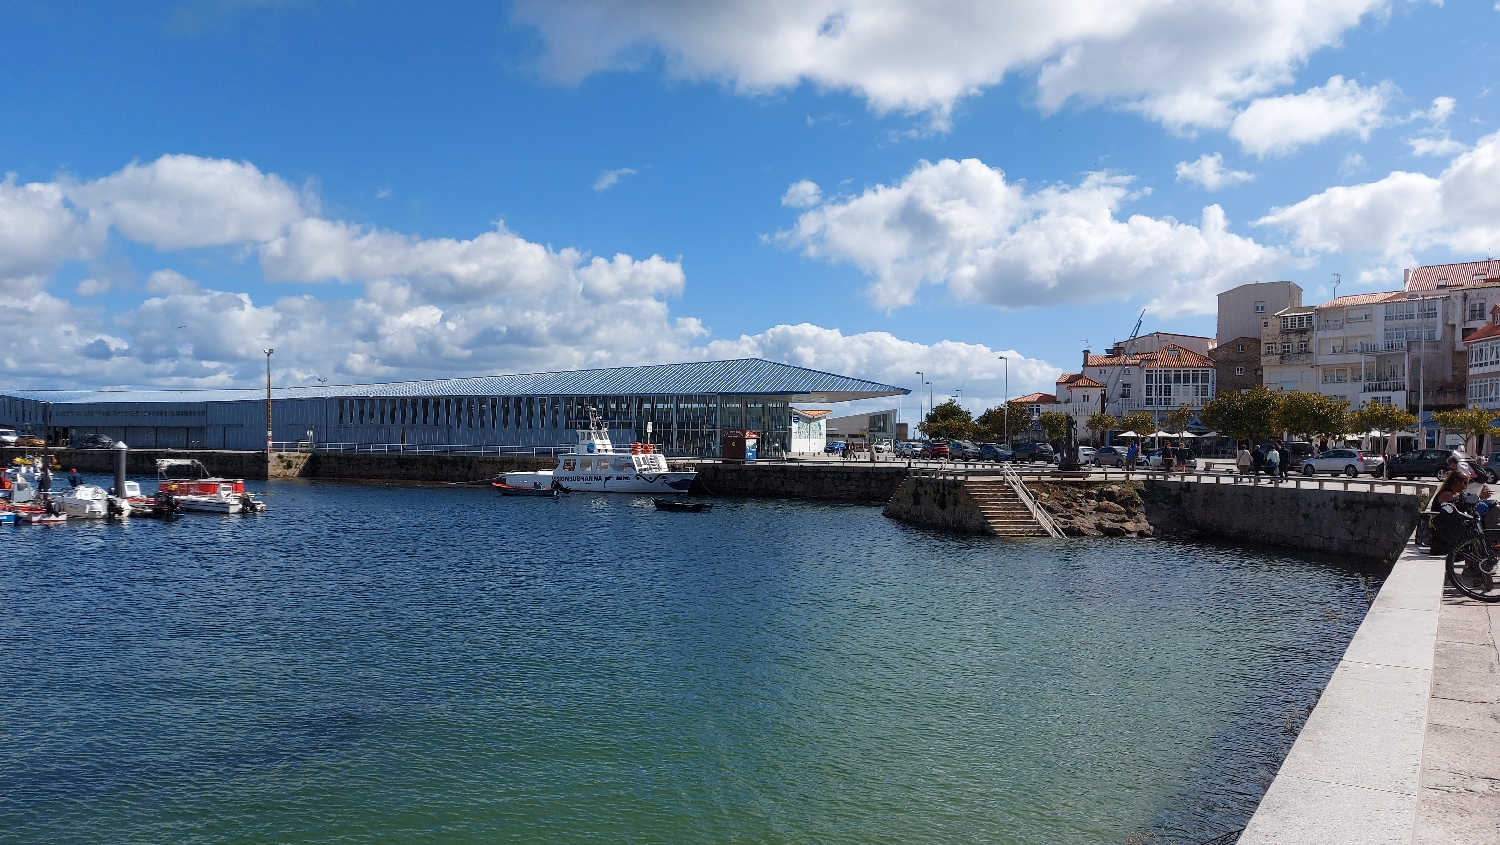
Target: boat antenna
{"x": 594, "y": 421}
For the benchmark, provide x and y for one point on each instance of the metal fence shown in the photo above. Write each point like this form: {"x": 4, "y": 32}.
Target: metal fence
{"x": 965, "y": 472}
{"x": 405, "y": 449}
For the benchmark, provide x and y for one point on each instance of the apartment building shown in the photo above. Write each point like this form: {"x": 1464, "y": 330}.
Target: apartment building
{"x": 1237, "y": 364}
{"x": 1355, "y": 360}
{"x": 1483, "y": 345}
{"x": 1287, "y": 347}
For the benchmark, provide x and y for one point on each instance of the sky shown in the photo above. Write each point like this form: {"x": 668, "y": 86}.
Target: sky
{"x": 385, "y": 191}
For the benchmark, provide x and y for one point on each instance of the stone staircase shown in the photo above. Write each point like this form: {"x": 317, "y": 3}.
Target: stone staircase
{"x": 1007, "y": 515}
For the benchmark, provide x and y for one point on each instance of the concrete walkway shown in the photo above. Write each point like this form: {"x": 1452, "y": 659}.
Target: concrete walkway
{"x": 1459, "y": 802}
{"x": 1404, "y": 745}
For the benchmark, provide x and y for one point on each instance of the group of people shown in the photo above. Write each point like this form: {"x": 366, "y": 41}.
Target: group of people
{"x": 1271, "y": 458}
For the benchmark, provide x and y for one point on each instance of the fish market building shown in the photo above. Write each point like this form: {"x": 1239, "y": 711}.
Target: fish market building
{"x": 684, "y": 408}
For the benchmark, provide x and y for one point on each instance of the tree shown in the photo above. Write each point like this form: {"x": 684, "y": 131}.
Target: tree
{"x": 948, "y": 422}
{"x": 1376, "y": 416}
{"x": 1177, "y": 421}
{"x": 1242, "y": 415}
{"x": 1054, "y": 424}
{"x": 1140, "y": 422}
{"x": 1310, "y": 415}
{"x": 1470, "y": 422}
{"x": 1100, "y": 423}
{"x": 992, "y": 424}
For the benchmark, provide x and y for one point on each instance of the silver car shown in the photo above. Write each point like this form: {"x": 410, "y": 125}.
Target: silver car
{"x": 1350, "y": 462}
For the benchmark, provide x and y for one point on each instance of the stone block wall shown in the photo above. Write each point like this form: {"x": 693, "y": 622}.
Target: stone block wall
{"x": 938, "y": 503}
{"x": 874, "y": 484}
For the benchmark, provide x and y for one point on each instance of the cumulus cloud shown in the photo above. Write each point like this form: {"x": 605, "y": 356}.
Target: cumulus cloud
{"x": 1404, "y": 212}
{"x": 170, "y": 281}
{"x": 183, "y": 201}
{"x": 609, "y": 178}
{"x": 962, "y": 225}
{"x": 38, "y": 231}
{"x": 1278, "y": 125}
{"x": 1434, "y": 140}
{"x": 1183, "y": 63}
{"x": 803, "y": 194}
{"x": 1208, "y": 171}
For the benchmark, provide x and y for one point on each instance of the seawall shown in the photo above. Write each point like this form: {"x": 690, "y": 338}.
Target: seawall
{"x": 943, "y": 503}
{"x": 143, "y": 461}
{"x": 830, "y": 482}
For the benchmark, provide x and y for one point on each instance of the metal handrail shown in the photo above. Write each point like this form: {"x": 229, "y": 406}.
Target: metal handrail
{"x": 408, "y": 449}
{"x": 1037, "y": 511}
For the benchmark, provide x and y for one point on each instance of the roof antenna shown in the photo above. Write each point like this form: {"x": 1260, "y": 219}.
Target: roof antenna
{"x": 1338, "y": 279}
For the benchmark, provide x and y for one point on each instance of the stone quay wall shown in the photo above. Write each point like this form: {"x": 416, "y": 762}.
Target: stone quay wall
{"x": 942, "y": 503}
{"x": 874, "y": 483}
{"x": 367, "y": 466}
{"x": 143, "y": 461}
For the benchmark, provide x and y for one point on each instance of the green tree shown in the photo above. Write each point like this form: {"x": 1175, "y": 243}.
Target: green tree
{"x": 1100, "y": 423}
{"x": 1376, "y": 416}
{"x": 992, "y": 424}
{"x": 1243, "y": 415}
{"x": 1140, "y": 422}
{"x": 1470, "y": 422}
{"x": 1310, "y": 415}
{"x": 948, "y": 422}
{"x": 1054, "y": 424}
{"x": 1177, "y": 421}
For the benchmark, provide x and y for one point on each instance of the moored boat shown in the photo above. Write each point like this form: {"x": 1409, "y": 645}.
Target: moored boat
{"x": 188, "y": 482}
{"x": 594, "y": 466}
{"x": 535, "y": 490}
{"x": 85, "y": 502}
{"x": 682, "y": 507}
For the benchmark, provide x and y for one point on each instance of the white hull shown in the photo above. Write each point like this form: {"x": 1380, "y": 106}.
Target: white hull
{"x": 209, "y": 504}
{"x": 86, "y": 502}
{"x": 660, "y": 484}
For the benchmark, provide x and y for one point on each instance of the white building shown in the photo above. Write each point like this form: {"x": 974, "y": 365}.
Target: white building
{"x": 1242, "y": 310}
{"x": 809, "y": 430}
{"x": 1484, "y": 363}
{"x": 1355, "y": 361}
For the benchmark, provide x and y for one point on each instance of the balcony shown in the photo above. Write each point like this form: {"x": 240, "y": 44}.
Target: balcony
{"x": 1394, "y": 346}
{"x": 1384, "y": 386}
{"x": 1297, "y": 358}
{"x": 1331, "y": 325}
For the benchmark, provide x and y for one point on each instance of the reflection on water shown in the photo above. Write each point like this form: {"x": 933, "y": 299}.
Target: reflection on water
{"x": 382, "y": 664}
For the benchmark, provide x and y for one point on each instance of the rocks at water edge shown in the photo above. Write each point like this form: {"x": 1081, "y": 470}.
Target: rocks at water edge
{"x": 1095, "y": 510}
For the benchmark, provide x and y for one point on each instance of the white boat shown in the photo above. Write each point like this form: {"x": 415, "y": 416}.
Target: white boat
{"x": 189, "y": 483}
{"x": 86, "y": 502}
{"x": 594, "y": 466}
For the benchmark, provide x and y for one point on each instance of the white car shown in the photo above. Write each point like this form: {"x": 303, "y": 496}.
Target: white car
{"x": 1350, "y": 462}
{"x": 1085, "y": 455}
{"x": 8, "y": 437}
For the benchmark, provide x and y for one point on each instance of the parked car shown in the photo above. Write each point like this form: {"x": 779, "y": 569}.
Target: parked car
{"x": 1153, "y": 460}
{"x": 837, "y": 447}
{"x": 1109, "y": 456}
{"x": 93, "y": 441}
{"x": 1350, "y": 462}
{"x": 1033, "y": 452}
{"x": 1085, "y": 455}
{"x": 1427, "y": 463}
{"x": 963, "y": 450}
{"x": 907, "y": 449}
{"x": 8, "y": 437}
{"x": 994, "y": 452}
{"x": 27, "y": 440}
{"x": 1301, "y": 450}
{"x": 882, "y": 447}
{"x": 936, "y": 449}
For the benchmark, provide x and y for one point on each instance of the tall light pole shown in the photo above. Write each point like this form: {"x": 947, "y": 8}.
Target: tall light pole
{"x": 921, "y": 382}
{"x": 268, "y": 408}
{"x": 960, "y": 397}
{"x": 1005, "y": 402}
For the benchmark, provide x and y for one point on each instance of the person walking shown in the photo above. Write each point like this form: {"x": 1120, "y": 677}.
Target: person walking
{"x": 1273, "y": 461}
{"x": 1243, "y": 460}
{"x": 1284, "y": 458}
{"x": 1258, "y": 460}
{"x": 1132, "y": 454}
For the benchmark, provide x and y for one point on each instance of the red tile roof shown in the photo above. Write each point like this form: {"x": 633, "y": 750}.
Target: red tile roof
{"x": 1115, "y": 360}
{"x": 1457, "y": 275}
{"x": 1166, "y": 359}
{"x": 1036, "y": 399}
{"x": 1364, "y": 299}
{"x": 1077, "y": 380}
{"x": 1490, "y": 330}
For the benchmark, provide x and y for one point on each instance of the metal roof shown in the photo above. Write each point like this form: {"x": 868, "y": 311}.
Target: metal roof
{"x": 744, "y": 376}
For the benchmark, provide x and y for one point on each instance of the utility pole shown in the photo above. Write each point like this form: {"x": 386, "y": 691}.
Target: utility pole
{"x": 1005, "y": 403}
{"x": 268, "y": 408}
{"x": 921, "y": 381}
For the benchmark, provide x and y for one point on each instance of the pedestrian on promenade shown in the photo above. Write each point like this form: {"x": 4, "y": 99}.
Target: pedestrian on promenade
{"x": 1284, "y": 458}
{"x": 1273, "y": 461}
{"x": 1167, "y": 457}
{"x": 1132, "y": 454}
{"x": 1243, "y": 460}
{"x": 1258, "y": 460}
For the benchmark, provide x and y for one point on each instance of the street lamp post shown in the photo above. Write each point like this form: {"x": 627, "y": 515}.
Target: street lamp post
{"x": 268, "y": 408}
{"x": 960, "y": 397}
{"x": 1005, "y": 402}
{"x": 921, "y": 381}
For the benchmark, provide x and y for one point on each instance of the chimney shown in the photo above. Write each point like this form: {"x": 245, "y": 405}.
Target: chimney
{"x": 1085, "y": 370}
{"x": 1405, "y": 278}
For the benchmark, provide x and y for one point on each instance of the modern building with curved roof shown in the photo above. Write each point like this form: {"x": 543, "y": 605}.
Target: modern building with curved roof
{"x": 686, "y": 406}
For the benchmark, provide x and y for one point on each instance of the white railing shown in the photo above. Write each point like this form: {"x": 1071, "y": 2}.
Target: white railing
{"x": 966, "y": 471}
{"x": 1038, "y": 512}
{"x": 408, "y": 449}
{"x": 1383, "y": 386}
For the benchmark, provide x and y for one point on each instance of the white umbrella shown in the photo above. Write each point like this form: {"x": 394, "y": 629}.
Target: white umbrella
{"x": 1185, "y": 434}
{"x": 1158, "y": 434}
{"x": 1127, "y": 434}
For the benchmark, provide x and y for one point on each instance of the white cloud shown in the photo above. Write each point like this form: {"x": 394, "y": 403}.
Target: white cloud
{"x": 609, "y": 178}
{"x": 1278, "y": 125}
{"x": 803, "y": 194}
{"x": 1184, "y": 63}
{"x": 1435, "y": 141}
{"x": 92, "y": 287}
{"x": 37, "y": 232}
{"x": 960, "y": 224}
{"x": 1404, "y": 212}
{"x": 1209, "y": 172}
{"x": 170, "y": 281}
{"x": 183, "y": 201}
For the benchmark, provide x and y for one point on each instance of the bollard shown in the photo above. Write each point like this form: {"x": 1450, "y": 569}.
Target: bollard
{"x": 120, "y": 451}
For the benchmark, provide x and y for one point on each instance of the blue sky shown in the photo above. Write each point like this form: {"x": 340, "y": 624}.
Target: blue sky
{"x": 320, "y": 153}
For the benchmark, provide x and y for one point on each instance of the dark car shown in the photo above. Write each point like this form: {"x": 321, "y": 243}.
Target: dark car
{"x": 1034, "y": 452}
{"x": 994, "y": 452}
{"x": 1109, "y": 456}
{"x": 1427, "y": 463}
{"x": 963, "y": 450}
{"x": 93, "y": 441}
{"x": 935, "y": 449}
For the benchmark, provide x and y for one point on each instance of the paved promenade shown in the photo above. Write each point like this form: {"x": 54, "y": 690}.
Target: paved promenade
{"x": 1404, "y": 745}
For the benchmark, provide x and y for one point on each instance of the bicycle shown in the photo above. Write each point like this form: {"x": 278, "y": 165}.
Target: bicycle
{"x": 1471, "y": 565}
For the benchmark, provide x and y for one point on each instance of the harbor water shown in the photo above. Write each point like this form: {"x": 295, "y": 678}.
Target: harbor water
{"x": 377, "y": 664}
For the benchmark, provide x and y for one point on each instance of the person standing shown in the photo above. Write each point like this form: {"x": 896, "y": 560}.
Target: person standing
{"x": 1242, "y": 460}
{"x": 1284, "y": 457}
{"x": 1273, "y": 461}
{"x": 1168, "y": 458}
{"x": 1258, "y": 460}
{"x": 1132, "y": 454}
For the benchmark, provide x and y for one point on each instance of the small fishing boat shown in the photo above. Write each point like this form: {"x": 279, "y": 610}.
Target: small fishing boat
{"x": 595, "y": 467}
{"x": 517, "y": 490}
{"x": 7, "y": 517}
{"x": 85, "y": 502}
{"x": 189, "y": 483}
{"x": 682, "y": 507}
{"x": 32, "y": 515}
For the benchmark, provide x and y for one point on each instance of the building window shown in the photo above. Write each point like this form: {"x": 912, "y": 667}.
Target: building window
{"x": 1260, "y": 308}
{"x": 1286, "y": 348}
{"x": 1302, "y": 346}
{"x": 1293, "y": 322}
{"x": 1125, "y": 390}
{"x": 1239, "y": 371}
{"x": 1239, "y": 347}
{"x": 1270, "y": 349}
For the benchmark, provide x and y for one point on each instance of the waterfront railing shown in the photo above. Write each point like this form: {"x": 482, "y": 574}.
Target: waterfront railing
{"x": 425, "y": 449}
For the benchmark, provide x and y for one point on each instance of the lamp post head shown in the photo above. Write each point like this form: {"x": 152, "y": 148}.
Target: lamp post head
{"x": 268, "y": 351}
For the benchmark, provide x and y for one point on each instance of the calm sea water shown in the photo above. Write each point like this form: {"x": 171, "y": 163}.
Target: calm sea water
{"x": 369, "y": 664}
